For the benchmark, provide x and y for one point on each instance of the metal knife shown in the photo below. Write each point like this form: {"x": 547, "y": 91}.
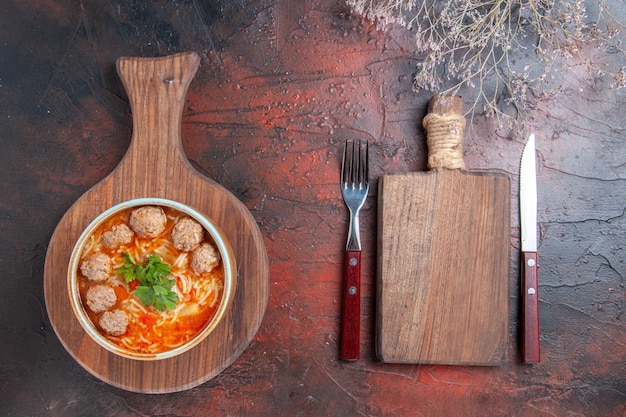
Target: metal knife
{"x": 528, "y": 220}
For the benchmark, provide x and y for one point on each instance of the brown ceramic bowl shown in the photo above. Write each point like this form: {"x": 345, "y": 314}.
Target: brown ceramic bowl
{"x": 211, "y": 230}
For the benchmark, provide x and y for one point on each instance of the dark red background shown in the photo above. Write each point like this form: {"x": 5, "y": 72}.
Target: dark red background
{"x": 281, "y": 85}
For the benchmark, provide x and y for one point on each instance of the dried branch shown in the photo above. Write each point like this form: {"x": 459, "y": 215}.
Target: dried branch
{"x": 516, "y": 47}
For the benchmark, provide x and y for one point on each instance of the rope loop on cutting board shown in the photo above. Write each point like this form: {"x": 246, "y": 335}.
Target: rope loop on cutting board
{"x": 444, "y": 134}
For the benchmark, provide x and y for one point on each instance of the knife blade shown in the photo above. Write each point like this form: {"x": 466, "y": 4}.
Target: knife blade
{"x": 529, "y": 284}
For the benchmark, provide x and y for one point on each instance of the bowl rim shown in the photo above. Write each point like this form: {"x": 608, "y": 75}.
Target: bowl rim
{"x": 218, "y": 238}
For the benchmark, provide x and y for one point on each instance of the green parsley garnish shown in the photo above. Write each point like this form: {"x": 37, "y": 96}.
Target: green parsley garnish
{"x": 152, "y": 286}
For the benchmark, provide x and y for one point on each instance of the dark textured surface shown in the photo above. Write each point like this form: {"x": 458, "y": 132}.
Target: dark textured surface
{"x": 281, "y": 85}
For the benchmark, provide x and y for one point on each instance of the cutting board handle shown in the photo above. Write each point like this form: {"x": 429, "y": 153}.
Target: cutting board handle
{"x": 156, "y": 89}
{"x": 445, "y": 125}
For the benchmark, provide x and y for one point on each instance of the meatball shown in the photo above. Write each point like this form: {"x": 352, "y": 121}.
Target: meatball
{"x": 100, "y": 298}
{"x": 187, "y": 234}
{"x": 119, "y": 234}
{"x": 205, "y": 258}
{"x": 148, "y": 221}
{"x": 114, "y": 322}
{"x": 97, "y": 267}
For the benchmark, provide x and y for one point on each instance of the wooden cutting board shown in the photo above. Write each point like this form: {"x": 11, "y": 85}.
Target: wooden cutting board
{"x": 155, "y": 166}
{"x": 443, "y": 255}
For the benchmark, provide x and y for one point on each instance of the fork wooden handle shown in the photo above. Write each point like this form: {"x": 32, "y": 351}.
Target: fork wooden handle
{"x": 351, "y": 324}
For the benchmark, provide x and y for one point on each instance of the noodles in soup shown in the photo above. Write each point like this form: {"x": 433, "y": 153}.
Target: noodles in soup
{"x": 111, "y": 303}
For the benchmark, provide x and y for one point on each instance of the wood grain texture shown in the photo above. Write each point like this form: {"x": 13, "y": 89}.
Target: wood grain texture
{"x": 443, "y": 268}
{"x": 155, "y": 166}
{"x": 530, "y": 309}
{"x": 351, "y": 315}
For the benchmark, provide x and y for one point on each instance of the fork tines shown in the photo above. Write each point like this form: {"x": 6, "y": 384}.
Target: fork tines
{"x": 355, "y": 164}
{"x": 354, "y": 186}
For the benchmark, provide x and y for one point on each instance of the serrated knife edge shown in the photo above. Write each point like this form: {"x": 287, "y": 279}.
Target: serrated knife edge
{"x": 528, "y": 197}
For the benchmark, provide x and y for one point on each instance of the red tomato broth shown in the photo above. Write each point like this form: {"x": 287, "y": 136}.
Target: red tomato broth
{"x": 149, "y": 330}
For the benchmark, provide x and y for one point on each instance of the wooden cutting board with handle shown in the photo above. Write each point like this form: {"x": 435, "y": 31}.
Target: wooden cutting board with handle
{"x": 155, "y": 166}
{"x": 443, "y": 255}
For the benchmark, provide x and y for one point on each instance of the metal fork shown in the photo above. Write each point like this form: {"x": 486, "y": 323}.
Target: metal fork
{"x": 354, "y": 188}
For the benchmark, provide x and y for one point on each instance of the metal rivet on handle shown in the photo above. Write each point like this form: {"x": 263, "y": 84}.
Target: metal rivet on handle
{"x": 352, "y": 290}
{"x": 531, "y": 262}
{"x": 353, "y": 261}
{"x": 531, "y": 291}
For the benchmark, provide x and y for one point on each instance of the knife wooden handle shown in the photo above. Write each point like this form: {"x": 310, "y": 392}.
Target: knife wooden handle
{"x": 530, "y": 308}
{"x": 351, "y": 324}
